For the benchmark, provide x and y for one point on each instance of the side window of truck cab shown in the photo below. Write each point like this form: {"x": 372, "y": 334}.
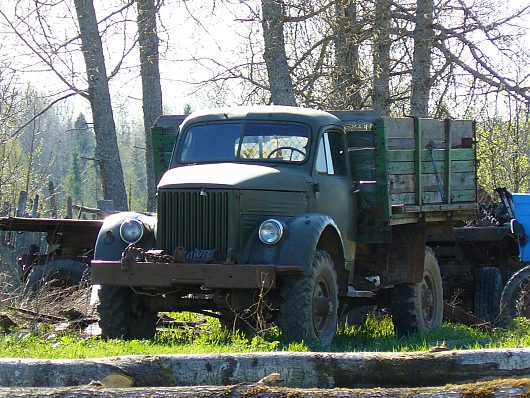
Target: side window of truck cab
{"x": 331, "y": 154}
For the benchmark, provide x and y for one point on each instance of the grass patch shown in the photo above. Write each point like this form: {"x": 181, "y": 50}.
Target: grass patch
{"x": 377, "y": 334}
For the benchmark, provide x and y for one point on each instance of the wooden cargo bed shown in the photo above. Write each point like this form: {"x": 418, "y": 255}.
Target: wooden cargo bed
{"x": 411, "y": 169}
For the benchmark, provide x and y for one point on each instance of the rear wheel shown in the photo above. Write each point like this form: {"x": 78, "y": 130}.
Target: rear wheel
{"x": 515, "y": 298}
{"x": 419, "y": 307}
{"x": 308, "y": 310}
{"x": 122, "y": 315}
{"x": 488, "y": 290}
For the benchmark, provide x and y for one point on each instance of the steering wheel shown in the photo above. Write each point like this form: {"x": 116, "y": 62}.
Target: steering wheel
{"x": 291, "y": 148}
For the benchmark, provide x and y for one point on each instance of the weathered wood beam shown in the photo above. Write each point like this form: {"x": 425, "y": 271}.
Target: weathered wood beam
{"x": 490, "y": 389}
{"x": 297, "y": 370}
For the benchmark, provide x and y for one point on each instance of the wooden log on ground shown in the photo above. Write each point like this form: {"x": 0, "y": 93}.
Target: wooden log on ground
{"x": 490, "y": 389}
{"x": 298, "y": 370}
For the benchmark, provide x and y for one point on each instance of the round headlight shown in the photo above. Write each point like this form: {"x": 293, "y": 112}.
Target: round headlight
{"x": 131, "y": 231}
{"x": 270, "y": 231}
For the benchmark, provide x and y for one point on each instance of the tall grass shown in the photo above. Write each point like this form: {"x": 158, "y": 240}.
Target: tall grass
{"x": 377, "y": 334}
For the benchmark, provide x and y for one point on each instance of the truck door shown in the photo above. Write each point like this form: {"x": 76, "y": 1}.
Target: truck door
{"x": 334, "y": 191}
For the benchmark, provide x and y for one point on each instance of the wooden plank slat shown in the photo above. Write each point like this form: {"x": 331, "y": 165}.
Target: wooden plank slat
{"x": 359, "y": 156}
{"x": 408, "y": 183}
{"x": 441, "y": 207}
{"x": 433, "y": 129}
{"x": 381, "y": 173}
{"x": 364, "y": 172}
{"x": 469, "y": 195}
{"x": 399, "y": 127}
{"x": 427, "y": 168}
{"x": 360, "y": 139}
{"x": 397, "y": 143}
{"x": 408, "y": 198}
{"x": 438, "y": 155}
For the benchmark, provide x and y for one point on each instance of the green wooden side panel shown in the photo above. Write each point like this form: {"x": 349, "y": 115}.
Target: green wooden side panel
{"x": 162, "y": 150}
{"x": 158, "y": 153}
{"x": 411, "y": 169}
{"x": 163, "y": 134}
{"x": 437, "y": 154}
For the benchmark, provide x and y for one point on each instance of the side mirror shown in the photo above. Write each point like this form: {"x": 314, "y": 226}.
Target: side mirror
{"x": 518, "y": 231}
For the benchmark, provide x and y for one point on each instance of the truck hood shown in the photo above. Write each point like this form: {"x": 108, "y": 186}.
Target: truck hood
{"x": 236, "y": 176}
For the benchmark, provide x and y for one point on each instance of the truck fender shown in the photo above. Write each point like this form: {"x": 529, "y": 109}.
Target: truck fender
{"x": 297, "y": 246}
{"x": 110, "y": 246}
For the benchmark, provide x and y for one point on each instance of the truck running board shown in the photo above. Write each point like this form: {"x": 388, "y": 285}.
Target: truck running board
{"x": 359, "y": 293}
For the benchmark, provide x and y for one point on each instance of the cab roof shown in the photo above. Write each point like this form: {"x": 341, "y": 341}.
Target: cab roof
{"x": 314, "y": 118}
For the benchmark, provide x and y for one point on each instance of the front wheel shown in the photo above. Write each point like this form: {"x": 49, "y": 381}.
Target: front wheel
{"x": 122, "y": 315}
{"x": 418, "y": 307}
{"x": 308, "y": 310}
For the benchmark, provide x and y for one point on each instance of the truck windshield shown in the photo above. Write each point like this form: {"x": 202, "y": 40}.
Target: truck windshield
{"x": 236, "y": 141}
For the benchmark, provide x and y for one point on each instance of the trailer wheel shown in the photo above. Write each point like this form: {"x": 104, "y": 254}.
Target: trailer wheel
{"x": 309, "y": 303}
{"x": 355, "y": 316}
{"x": 61, "y": 271}
{"x": 488, "y": 290}
{"x": 515, "y": 298}
{"x": 122, "y": 316}
{"x": 419, "y": 307}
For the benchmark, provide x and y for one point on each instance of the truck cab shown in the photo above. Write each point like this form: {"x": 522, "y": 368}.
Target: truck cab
{"x": 264, "y": 216}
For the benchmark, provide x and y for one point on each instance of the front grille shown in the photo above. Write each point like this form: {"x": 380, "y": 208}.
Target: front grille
{"x": 192, "y": 220}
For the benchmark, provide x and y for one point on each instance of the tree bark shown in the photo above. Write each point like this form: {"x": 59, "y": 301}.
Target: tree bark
{"x": 151, "y": 88}
{"x": 346, "y": 39}
{"x": 381, "y": 58}
{"x": 423, "y": 36}
{"x": 297, "y": 370}
{"x": 280, "y": 82}
{"x": 490, "y": 389}
{"x": 100, "y": 103}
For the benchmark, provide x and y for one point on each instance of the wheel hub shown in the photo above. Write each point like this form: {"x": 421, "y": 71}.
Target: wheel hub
{"x": 322, "y": 305}
{"x": 427, "y": 300}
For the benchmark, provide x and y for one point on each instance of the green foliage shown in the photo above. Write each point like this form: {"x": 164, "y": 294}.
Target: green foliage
{"x": 205, "y": 335}
{"x": 503, "y": 154}
{"x": 82, "y": 181}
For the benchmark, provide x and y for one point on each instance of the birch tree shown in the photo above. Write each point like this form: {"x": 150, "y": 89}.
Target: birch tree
{"x": 280, "y": 82}
{"x": 346, "y": 39}
{"x": 151, "y": 88}
{"x": 100, "y": 103}
{"x": 381, "y": 57}
{"x": 421, "y": 62}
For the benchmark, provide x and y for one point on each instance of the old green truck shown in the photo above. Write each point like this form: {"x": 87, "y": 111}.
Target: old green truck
{"x": 289, "y": 216}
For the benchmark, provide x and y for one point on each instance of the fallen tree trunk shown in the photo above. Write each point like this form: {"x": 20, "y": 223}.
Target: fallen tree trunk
{"x": 494, "y": 388}
{"x": 297, "y": 369}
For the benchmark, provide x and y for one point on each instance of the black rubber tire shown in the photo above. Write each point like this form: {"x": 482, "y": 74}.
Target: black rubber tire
{"x": 354, "y": 317}
{"x": 63, "y": 271}
{"x": 488, "y": 290}
{"x": 122, "y": 316}
{"x": 515, "y": 297}
{"x": 305, "y": 298}
{"x": 233, "y": 324}
{"x": 419, "y": 307}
